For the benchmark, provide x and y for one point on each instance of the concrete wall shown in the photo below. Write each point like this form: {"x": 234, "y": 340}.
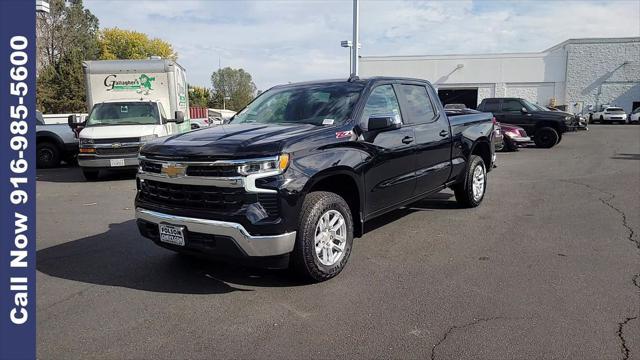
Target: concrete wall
{"x": 493, "y": 75}
{"x": 603, "y": 73}
{"x": 575, "y": 73}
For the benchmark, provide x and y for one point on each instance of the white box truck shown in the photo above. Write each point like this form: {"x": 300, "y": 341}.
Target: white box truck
{"x": 130, "y": 102}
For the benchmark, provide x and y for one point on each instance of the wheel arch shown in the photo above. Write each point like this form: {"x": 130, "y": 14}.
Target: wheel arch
{"x": 49, "y": 136}
{"x": 346, "y": 183}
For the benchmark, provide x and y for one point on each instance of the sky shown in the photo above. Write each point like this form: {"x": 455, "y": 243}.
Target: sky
{"x": 288, "y": 41}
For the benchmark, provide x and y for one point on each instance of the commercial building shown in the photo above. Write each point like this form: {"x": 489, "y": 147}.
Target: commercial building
{"x": 577, "y": 75}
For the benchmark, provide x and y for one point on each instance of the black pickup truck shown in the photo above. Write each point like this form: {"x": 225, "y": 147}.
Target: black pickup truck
{"x": 294, "y": 176}
{"x": 545, "y": 125}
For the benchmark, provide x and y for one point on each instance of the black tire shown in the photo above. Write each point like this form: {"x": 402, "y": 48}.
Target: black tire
{"x": 559, "y": 139}
{"x": 464, "y": 191}
{"x": 91, "y": 175}
{"x": 546, "y": 137}
{"x": 508, "y": 145}
{"x": 304, "y": 259}
{"x": 47, "y": 155}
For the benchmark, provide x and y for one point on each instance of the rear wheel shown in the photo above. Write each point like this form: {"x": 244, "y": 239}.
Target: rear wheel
{"x": 90, "y": 175}
{"x": 325, "y": 236}
{"x": 47, "y": 155}
{"x": 546, "y": 137}
{"x": 471, "y": 192}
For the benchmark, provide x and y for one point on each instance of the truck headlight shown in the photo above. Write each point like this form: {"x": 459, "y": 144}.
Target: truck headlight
{"x": 148, "y": 137}
{"x": 277, "y": 164}
{"x": 86, "y": 141}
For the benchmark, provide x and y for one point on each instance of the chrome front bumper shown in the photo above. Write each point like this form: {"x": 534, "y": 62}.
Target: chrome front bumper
{"x": 269, "y": 245}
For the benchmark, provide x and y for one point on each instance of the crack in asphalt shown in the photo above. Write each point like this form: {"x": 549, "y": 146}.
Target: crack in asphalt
{"x": 458, "y": 327}
{"x": 631, "y": 237}
{"x": 625, "y": 350}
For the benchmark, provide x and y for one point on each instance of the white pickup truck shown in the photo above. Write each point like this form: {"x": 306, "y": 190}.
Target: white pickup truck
{"x": 610, "y": 114}
{"x": 130, "y": 102}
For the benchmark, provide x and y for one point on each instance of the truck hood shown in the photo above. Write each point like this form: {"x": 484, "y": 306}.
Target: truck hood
{"x": 117, "y": 131}
{"x": 230, "y": 141}
{"x": 550, "y": 115}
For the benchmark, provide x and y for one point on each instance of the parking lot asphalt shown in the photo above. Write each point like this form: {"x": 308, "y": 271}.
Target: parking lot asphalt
{"x": 543, "y": 269}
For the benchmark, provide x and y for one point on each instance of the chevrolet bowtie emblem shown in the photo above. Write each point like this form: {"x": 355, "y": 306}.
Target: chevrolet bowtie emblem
{"x": 173, "y": 170}
{"x": 116, "y": 145}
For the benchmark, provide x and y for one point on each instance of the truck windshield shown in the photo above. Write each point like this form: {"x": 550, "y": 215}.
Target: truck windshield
{"x": 123, "y": 113}
{"x": 317, "y": 104}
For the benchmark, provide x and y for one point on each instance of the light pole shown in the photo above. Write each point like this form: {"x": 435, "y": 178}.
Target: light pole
{"x": 356, "y": 38}
{"x": 348, "y": 44}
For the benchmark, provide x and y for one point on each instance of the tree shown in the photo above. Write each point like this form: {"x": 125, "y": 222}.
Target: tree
{"x": 124, "y": 44}
{"x": 199, "y": 96}
{"x": 65, "y": 37}
{"x": 232, "y": 88}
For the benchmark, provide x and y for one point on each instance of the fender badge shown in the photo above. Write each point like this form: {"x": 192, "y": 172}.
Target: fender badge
{"x": 344, "y": 134}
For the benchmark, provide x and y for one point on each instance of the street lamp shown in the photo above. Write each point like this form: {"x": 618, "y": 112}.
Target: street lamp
{"x": 224, "y": 104}
{"x": 349, "y": 44}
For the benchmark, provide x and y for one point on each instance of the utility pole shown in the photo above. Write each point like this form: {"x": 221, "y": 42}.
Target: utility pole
{"x": 356, "y": 38}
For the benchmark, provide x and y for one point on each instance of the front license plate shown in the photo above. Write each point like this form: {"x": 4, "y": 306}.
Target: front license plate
{"x": 171, "y": 234}
{"x": 116, "y": 162}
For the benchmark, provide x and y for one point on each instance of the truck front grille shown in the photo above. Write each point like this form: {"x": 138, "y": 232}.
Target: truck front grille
{"x": 116, "y": 140}
{"x": 229, "y": 201}
{"x": 195, "y": 170}
{"x": 122, "y": 151}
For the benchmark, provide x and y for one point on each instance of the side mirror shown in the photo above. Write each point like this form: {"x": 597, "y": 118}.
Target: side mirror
{"x": 71, "y": 120}
{"x": 524, "y": 110}
{"x": 75, "y": 126}
{"x": 178, "y": 118}
{"x": 383, "y": 123}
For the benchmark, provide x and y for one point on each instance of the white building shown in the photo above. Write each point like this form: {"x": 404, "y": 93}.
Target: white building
{"x": 577, "y": 73}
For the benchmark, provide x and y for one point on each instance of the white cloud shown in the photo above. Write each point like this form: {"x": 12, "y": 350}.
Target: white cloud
{"x": 282, "y": 41}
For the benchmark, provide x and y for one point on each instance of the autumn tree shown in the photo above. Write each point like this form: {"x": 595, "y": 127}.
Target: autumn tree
{"x": 232, "y": 88}
{"x": 117, "y": 44}
{"x": 65, "y": 36}
{"x": 199, "y": 96}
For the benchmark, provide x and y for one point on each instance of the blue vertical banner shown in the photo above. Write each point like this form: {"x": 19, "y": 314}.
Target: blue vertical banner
{"x": 17, "y": 179}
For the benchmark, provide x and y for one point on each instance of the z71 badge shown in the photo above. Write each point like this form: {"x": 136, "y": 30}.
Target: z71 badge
{"x": 344, "y": 134}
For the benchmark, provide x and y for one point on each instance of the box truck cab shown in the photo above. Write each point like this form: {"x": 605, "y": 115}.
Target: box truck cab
{"x": 130, "y": 102}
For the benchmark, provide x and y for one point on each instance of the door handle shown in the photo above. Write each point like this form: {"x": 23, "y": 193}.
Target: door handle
{"x": 407, "y": 140}
{"x": 444, "y": 133}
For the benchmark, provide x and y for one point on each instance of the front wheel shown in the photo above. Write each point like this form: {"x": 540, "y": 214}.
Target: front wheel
{"x": 325, "y": 236}
{"x": 471, "y": 192}
{"x": 546, "y": 137}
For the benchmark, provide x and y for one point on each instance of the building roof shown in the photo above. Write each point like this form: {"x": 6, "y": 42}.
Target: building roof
{"x": 504, "y": 55}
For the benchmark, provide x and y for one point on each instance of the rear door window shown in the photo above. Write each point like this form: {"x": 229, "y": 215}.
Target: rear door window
{"x": 511, "y": 105}
{"x": 419, "y": 107}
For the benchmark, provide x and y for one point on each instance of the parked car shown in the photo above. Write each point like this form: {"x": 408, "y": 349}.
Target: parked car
{"x": 547, "y": 126}
{"x": 513, "y": 137}
{"x": 296, "y": 174}
{"x": 200, "y": 123}
{"x": 54, "y": 143}
{"x": 610, "y": 114}
{"x": 634, "y": 117}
